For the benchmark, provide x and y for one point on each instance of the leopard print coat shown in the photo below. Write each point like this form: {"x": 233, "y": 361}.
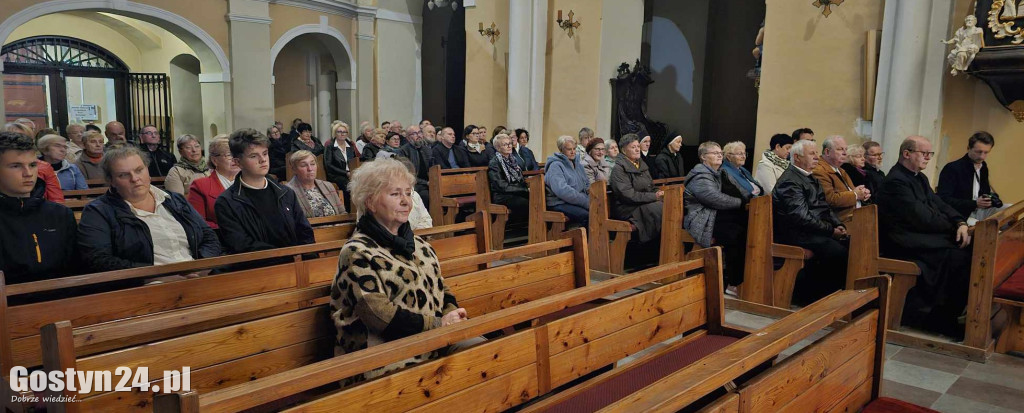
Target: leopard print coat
{"x": 378, "y": 296}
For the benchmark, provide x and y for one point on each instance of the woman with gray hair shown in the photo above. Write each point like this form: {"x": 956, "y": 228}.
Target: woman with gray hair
{"x": 190, "y": 167}
{"x": 388, "y": 285}
{"x": 136, "y": 224}
{"x": 714, "y": 217}
{"x": 636, "y": 198}
{"x": 566, "y": 183}
{"x": 316, "y": 197}
{"x": 855, "y": 166}
{"x": 54, "y": 150}
{"x": 508, "y": 187}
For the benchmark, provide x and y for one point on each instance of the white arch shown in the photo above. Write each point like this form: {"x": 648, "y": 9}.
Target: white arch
{"x": 209, "y": 51}
{"x": 324, "y": 29}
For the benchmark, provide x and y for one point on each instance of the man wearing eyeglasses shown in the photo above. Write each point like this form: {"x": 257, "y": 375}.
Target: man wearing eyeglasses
{"x": 160, "y": 160}
{"x": 919, "y": 226}
{"x": 840, "y": 192}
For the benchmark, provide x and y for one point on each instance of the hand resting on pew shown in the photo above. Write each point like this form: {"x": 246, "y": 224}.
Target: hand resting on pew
{"x": 454, "y": 316}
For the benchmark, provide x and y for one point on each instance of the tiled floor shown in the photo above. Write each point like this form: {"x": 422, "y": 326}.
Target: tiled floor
{"x": 943, "y": 383}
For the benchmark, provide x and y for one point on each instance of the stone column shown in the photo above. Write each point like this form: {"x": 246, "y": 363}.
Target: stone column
{"x": 908, "y": 93}
{"x": 215, "y": 92}
{"x": 251, "y": 90}
{"x": 366, "y": 46}
{"x": 527, "y": 21}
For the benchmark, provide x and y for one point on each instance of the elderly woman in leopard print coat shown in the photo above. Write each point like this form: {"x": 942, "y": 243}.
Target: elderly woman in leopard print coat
{"x": 388, "y": 284}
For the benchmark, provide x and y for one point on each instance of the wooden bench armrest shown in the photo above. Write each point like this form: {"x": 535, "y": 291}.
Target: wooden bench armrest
{"x": 615, "y": 225}
{"x": 497, "y": 209}
{"x": 890, "y": 266}
{"x": 552, "y": 216}
{"x": 449, "y": 203}
{"x": 787, "y": 251}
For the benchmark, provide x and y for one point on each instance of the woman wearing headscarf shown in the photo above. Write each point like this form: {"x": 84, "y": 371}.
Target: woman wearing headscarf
{"x": 669, "y": 163}
{"x": 190, "y": 166}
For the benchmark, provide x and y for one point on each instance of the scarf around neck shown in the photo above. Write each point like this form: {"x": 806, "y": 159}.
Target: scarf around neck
{"x": 775, "y": 159}
{"x": 402, "y": 244}
{"x": 197, "y": 167}
{"x": 511, "y": 168}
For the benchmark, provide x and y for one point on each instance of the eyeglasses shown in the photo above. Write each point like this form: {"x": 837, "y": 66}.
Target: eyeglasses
{"x": 878, "y": 155}
{"x": 926, "y": 154}
{"x": 714, "y": 153}
{"x": 342, "y": 132}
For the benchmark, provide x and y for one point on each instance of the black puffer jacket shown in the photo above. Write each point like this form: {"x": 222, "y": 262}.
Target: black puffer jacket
{"x": 37, "y": 241}
{"x": 111, "y": 237}
{"x": 800, "y": 207}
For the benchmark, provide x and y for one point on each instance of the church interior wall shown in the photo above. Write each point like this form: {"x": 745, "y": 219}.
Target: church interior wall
{"x": 572, "y": 72}
{"x": 186, "y": 97}
{"x": 621, "y": 34}
{"x": 813, "y": 69}
{"x": 678, "y": 43}
{"x": 487, "y": 66}
{"x": 398, "y": 72}
{"x": 284, "y": 18}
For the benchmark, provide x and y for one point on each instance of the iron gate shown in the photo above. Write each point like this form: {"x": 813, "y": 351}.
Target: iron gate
{"x": 149, "y": 102}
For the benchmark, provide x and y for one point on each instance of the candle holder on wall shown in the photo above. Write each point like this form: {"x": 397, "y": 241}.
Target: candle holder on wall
{"x": 568, "y": 25}
{"x": 492, "y": 32}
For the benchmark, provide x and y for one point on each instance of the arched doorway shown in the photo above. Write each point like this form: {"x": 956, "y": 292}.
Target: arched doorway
{"x": 60, "y": 80}
{"x": 314, "y": 77}
{"x": 214, "y": 64}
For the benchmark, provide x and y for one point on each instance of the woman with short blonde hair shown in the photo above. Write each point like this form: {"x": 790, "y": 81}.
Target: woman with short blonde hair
{"x": 317, "y": 198}
{"x": 382, "y": 265}
{"x": 203, "y": 192}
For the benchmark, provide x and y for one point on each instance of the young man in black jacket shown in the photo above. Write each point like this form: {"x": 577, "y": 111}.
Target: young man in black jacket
{"x": 38, "y": 237}
{"x": 256, "y": 213}
{"x": 963, "y": 183}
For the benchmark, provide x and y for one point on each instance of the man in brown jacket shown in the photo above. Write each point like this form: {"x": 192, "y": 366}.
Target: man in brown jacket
{"x": 840, "y": 193}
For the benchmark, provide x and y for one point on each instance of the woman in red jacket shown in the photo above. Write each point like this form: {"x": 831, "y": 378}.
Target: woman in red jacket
{"x": 203, "y": 192}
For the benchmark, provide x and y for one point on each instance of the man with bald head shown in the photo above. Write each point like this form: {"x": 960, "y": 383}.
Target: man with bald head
{"x": 115, "y": 133}
{"x": 919, "y": 226}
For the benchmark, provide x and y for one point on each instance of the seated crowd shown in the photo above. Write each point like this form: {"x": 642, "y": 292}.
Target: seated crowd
{"x": 257, "y": 192}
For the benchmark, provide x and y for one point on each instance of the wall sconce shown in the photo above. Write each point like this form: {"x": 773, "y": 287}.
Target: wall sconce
{"x": 568, "y": 24}
{"x": 827, "y": 10}
{"x": 491, "y": 32}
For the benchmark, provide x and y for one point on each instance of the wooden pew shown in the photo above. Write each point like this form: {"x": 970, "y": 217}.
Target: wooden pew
{"x": 865, "y": 261}
{"x": 998, "y": 255}
{"x": 764, "y": 286}
{"x": 609, "y": 237}
{"x": 21, "y": 322}
{"x": 451, "y": 189}
{"x": 503, "y": 372}
{"x": 839, "y": 372}
{"x": 516, "y": 369}
{"x": 543, "y": 224}
{"x": 275, "y": 342}
{"x": 84, "y": 193}
{"x": 333, "y": 227}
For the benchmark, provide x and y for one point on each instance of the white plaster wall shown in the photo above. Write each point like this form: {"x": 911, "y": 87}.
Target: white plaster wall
{"x": 399, "y": 81}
